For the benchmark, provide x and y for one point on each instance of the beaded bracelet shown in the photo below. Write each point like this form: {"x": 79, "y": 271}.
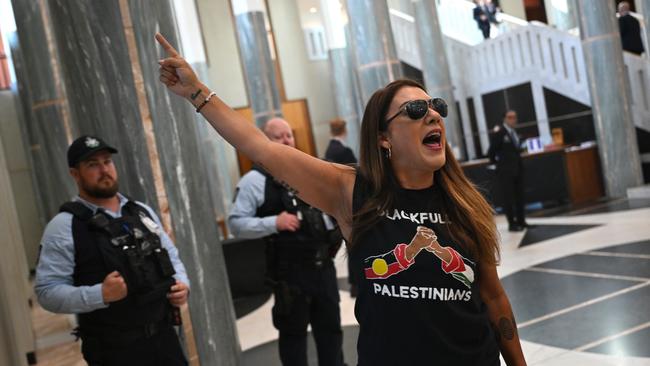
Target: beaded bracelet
{"x": 205, "y": 101}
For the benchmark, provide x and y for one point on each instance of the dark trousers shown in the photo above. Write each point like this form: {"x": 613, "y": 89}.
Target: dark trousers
{"x": 512, "y": 189}
{"x": 485, "y": 29}
{"x": 314, "y": 299}
{"x": 161, "y": 349}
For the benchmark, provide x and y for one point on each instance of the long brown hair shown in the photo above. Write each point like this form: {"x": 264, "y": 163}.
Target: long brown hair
{"x": 472, "y": 221}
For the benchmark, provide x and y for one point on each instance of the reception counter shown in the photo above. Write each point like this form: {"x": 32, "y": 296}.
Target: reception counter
{"x": 558, "y": 176}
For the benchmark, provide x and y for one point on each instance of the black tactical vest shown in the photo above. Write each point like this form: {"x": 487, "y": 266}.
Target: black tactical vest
{"x": 277, "y": 198}
{"x": 104, "y": 244}
{"x": 311, "y": 244}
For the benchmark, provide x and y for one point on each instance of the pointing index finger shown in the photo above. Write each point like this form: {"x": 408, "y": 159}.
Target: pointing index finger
{"x": 171, "y": 51}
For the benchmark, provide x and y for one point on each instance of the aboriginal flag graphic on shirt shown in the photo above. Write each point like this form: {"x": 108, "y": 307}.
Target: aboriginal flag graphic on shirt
{"x": 403, "y": 256}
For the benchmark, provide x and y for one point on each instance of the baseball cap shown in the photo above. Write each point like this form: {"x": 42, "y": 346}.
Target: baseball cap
{"x": 83, "y": 147}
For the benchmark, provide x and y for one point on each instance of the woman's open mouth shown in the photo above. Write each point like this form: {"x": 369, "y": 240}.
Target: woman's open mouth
{"x": 433, "y": 140}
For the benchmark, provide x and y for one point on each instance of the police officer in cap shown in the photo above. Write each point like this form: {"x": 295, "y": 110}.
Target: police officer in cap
{"x": 106, "y": 258}
{"x": 300, "y": 244}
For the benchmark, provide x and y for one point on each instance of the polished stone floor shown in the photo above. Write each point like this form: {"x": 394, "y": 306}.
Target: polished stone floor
{"x": 578, "y": 280}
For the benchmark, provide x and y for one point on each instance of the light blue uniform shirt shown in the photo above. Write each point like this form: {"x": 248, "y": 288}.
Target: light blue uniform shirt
{"x": 54, "y": 283}
{"x": 250, "y": 196}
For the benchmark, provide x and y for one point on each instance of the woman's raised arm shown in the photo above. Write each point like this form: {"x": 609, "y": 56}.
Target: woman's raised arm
{"x": 324, "y": 185}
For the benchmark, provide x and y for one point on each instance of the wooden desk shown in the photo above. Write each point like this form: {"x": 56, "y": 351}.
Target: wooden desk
{"x": 584, "y": 174}
{"x": 555, "y": 176}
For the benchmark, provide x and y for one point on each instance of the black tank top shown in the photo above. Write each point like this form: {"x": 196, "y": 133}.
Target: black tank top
{"x": 423, "y": 311}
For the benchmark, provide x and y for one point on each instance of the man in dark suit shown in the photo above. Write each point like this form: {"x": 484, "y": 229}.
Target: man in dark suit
{"x": 337, "y": 152}
{"x": 505, "y": 152}
{"x": 482, "y": 17}
{"x": 630, "y": 29}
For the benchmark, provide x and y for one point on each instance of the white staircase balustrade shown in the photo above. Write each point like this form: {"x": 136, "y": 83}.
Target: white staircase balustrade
{"x": 406, "y": 40}
{"x": 532, "y": 53}
{"x": 529, "y": 52}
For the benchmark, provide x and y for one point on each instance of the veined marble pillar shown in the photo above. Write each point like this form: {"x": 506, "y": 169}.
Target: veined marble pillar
{"x": 617, "y": 144}
{"x": 436, "y": 69}
{"x": 46, "y": 126}
{"x": 259, "y": 67}
{"x": 341, "y": 63}
{"x": 16, "y": 334}
{"x": 110, "y": 66}
{"x": 100, "y": 86}
{"x": 373, "y": 45}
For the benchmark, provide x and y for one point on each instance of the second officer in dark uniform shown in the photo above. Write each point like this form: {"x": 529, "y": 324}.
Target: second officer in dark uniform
{"x": 301, "y": 243}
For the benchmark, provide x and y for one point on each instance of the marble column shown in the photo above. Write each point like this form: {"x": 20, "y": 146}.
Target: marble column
{"x": 481, "y": 122}
{"x": 46, "y": 127}
{"x": 608, "y": 86}
{"x": 561, "y": 14}
{"x": 541, "y": 113}
{"x": 436, "y": 69}
{"x": 373, "y": 45}
{"x": 467, "y": 127}
{"x": 110, "y": 63}
{"x": 189, "y": 192}
{"x": 345, "y": 90}
{"x": 259, "y": 68}
{"x": 100, "y": 86}
{"x": 17, "y": 337}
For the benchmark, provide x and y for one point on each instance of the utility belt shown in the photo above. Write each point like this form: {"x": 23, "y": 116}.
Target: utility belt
{"x": 110, "y": 336}
{"x": 307, "y": 254}
{"x": 115, "y": 336}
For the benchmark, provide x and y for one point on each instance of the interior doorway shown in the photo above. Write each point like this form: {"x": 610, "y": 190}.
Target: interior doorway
{"x": 535, "y": 10}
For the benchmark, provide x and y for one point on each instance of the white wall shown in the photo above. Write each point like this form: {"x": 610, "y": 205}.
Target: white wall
{"x": 224, "y": 64}
{"x": 20, "y": 177}
{"x": 302, "y": 78}
{"x": 225, "y": 74}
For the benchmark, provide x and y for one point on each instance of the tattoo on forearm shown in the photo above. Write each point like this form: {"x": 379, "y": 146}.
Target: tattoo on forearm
{"x": 195, "y": 95}
{"x": 287, "y": 187}
{"x": 507, "y": 328}
{"x": 282, "y": 183}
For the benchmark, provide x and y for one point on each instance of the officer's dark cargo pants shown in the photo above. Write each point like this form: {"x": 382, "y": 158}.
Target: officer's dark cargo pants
{"x": 161, "y": 349}
{"x": 315, "y": 301}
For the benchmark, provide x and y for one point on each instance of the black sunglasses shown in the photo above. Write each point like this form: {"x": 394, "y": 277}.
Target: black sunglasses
{"x": 419, "y": 108}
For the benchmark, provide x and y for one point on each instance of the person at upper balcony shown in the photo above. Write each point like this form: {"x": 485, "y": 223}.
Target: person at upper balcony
{"x": 493, "y": 8}
{"x": 482, "y": 17}
{"x": 630, "y": 29}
